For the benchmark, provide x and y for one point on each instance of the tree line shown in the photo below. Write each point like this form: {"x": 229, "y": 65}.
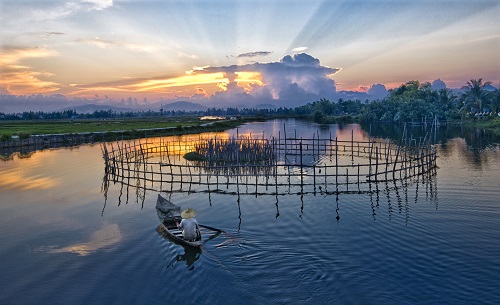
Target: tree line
{"x": 410, "y": 102}
{"x": 413, "y": 102}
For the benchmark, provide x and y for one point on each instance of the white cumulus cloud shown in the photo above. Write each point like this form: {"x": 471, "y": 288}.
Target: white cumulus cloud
{"x": 295, "y": 79}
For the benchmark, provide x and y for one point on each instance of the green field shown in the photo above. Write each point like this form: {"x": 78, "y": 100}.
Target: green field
{"x": 130, "y": 127}
{"x": 10, "y": 128}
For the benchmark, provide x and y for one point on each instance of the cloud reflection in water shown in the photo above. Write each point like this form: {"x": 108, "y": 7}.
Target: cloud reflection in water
{"x": 105, "y": 237}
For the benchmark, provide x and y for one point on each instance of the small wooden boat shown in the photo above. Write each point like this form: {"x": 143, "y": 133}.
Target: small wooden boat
{"x": 166, "y": 209}
{"x": 169, "y": 215}
{"x": 168, "y": 228}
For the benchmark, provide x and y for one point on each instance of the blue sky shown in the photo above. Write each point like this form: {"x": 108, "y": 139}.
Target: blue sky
{"x": 247, "y": 51}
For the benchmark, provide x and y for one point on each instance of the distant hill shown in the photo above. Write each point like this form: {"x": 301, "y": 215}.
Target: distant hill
{"x": 265, "y": 106}
{"x": 90, "y": 108}
{"x": 176, "y": 106}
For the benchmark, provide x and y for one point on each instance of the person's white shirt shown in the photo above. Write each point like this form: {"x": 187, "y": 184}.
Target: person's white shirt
{"x": 189, "y": 228}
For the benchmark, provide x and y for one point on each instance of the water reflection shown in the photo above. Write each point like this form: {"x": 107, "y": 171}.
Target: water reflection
{"x": 340, "y": 161}
{"x": 189, "y": 257}
{"x": 26, "y": 149}
{"x": 193, "y": 254}
{"x": 104, "y": 238}
{"x": 6, "y": 155}
{"x": 23, "y": 180}
{"x": 443, "y": 256}
{"x": 298, "y": 166}
{"x": 473, "y": 142}
{"x": 404, "y": 192}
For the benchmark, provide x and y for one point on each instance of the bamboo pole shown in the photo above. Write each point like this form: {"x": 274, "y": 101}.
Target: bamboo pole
{"x": 336, "y": 164}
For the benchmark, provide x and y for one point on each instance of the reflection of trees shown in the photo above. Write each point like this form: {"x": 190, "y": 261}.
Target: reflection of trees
{"x": 475, "y": 157}
{"x": 477, "y": 141}
{"x": 6, "y": 156}
{"x": 26, "y": 147}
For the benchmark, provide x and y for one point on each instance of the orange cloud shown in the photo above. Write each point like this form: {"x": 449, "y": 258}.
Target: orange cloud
{"x": 159, "y": 85}
{"x": 201, "y": 91}
{"x": 247, "y": 79}
{"x": 152, "y": 85}
{"x": 223, "y": 85}
{"x": 21, "y": 79}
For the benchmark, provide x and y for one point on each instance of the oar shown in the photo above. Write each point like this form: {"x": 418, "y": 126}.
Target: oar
{"x": 225, "y": 233}
{"x": 211, "y": 228}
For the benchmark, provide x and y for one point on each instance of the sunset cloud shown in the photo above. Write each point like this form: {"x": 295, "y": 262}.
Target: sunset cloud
{"x": 254, "y": 54}
{"x": 19, "y": 78}
{"x": 293, "y": 80}
{"x": 154, "y": 85}
{"x": 290, "y": 81}
{"x": 200, "y": 91}
{"x": 185, "y": 80}
{"x": 128, "y": 49}
{"x": 377, "y": 91}
{"x": 12, "y": 55}
{"x": 301, "y": 73}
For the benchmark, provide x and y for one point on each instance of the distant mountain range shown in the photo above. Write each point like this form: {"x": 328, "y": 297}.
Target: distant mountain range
{"x": 176, "y": 106}
{"x": 265, "y": 106}
{"x": 90, "y": 108}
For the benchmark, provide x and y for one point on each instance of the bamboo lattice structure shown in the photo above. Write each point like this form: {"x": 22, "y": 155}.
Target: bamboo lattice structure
{"x": 268, "y": 166}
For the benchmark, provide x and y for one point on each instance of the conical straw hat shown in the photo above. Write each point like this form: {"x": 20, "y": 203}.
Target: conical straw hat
{"x": 189, "y": 213}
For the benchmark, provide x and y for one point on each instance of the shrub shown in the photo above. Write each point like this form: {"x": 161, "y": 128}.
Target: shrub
{"x": 194, "y": 156}
{"x": 24, "y": 135}
{"x": 5, "y": 137}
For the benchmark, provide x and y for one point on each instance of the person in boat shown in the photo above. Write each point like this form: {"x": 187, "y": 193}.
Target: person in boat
{"x": 189, "y": 225}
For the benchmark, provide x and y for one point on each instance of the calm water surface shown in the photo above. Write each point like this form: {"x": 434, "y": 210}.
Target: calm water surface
{"x": 65, "y": 241}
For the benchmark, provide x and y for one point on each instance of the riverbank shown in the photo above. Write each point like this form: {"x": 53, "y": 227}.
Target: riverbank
{"x": 491, "y": 124}
{"x": 68, "y": 134}
{"x": 26, "y": 128}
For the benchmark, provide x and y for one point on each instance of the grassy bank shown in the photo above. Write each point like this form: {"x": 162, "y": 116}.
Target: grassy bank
{"x": 116, "y": 128}
{"x": 9, "y": 128}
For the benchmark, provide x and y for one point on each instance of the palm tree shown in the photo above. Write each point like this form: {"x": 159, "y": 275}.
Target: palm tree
{"x": 475, "y": 96}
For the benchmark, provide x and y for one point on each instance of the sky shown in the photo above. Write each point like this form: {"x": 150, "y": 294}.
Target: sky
{"x": 232, "y": 52}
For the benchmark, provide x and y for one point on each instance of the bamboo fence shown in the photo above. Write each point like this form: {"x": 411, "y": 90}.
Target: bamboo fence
{"x": 268, "y": 166}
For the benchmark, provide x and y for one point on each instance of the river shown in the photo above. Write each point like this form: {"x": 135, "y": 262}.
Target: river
{"x": 67, "y": 239}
